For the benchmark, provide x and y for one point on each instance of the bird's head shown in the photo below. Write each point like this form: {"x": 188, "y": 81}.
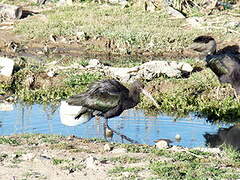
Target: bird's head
{"x": 139, "y": 87}
{"x": 206, "y": 45}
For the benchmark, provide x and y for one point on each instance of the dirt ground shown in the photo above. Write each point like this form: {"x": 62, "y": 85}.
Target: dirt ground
{"x": 52, "y": 157}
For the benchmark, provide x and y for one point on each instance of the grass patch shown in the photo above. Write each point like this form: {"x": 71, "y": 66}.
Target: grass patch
{"x": 9, "y": 140}
{"x": 124, "y": 159}
{"x": 130, "y": 28}
{"x": 182, "y": 170}
{"x": 121, "y": 169}
{"x": 59, "y": 161}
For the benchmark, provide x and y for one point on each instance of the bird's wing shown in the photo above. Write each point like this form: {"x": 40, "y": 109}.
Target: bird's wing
{"x": 101, "y": 96}
{"x": 110, "y": 86}
{"x": 218, "y": 64}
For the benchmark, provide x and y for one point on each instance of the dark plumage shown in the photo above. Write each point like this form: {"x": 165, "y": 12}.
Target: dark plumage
{"x": 225, "y": 64}
{"x": 107, "y": 98}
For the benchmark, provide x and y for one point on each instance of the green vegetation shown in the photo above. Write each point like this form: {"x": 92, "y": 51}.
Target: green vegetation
{"x": 195, "y": 94}
{"x": 8, "y": 140}
{"x": 177, "y": 163}
{"x": 59, "y": 161}
{"x": 120, "y": 31}
{"x": 125, "y": 30}
{"x": 124, "y": 159}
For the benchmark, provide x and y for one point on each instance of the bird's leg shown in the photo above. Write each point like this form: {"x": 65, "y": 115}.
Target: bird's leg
{"x": 105, "y": 126}
{"x": 114, "y": 131}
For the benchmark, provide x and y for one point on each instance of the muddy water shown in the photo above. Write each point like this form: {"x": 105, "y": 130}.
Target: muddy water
{"x": 136, "y": 124}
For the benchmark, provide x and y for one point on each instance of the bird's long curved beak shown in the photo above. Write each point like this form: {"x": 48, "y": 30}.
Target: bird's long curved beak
{"x": 146, "y": 93}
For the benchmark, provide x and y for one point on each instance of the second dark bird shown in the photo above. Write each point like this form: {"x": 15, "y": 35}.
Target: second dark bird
{"x": 109, "y": 98}
{"x": 225, "y": 64}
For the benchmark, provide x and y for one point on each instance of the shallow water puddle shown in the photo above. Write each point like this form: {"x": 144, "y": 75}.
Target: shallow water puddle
{"x": 133, "y": 123}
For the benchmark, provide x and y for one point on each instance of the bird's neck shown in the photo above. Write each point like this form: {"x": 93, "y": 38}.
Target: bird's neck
{"x": 133, "y": 98}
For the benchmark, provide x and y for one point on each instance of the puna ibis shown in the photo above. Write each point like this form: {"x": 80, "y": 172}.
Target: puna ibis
{"x": 109, "y": 98}
{"x": 226, "y": 65}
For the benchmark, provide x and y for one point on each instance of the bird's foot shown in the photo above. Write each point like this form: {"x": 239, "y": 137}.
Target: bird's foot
{"x": 122, "y": 135}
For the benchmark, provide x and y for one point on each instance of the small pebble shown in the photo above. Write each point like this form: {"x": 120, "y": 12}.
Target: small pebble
{"x": 119, "y": 150}
{"x": 107, "y": 147}
{"x": 162, "y": 144}
{"x": 178, "y": 137}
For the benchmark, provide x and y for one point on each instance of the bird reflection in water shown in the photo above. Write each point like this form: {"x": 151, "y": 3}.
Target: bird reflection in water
{"x": 229, "y": 136}
{"x": 108, "y": 98}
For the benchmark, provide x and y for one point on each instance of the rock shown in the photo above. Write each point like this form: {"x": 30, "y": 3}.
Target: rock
{"x": 6, "y": 106}
{"x": 124, "y": 74}
{"x": 10, "y": 11}
{"x": 119, "y": 150}
{"x": 175, "y": 13}
{"x": 154, "y": 69}
{"x": 93, "y": 63}
{"x": 232, "y": 24}
{"x": 81, "y": 35}
{"x": 51, "y": 73}
{"x": 149, "y": 70}
{"x": 123, "y": 3}
{"x": 162, "y": 143}
{"x": 127, "y": 174}
{"x": 6, "y": 66}
{"x": 195, "y": 22}
{"x": 65, "y": 2}
{"x": 184, "y": 67}
{"x": 178, "y": 137}
{"x": 91, "y": 162}
{"x": 107, "y": 147}
{"x": 113, "y": 1}
{"x": 211, "y": 150}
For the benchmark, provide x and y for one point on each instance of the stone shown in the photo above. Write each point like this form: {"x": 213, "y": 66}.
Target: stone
{"x": 210, "y": 150}
{"x": 91, "y": 162}
{"x": 175, "y": 13}
{"x": 51, "y": 73}
{"x": 10, "y": 11}
{"x": 81, "y": 35}
{"x": 93, "y": 63}
{"x": 119, "y": 150}
{"x": 162, "y": 143}
{"x": 5, "y": 106}
{"x": 6, "y": 66}
{"x": 65, "y": 2}
{"x": 107, "y": 147}
{"x": 154, "y": 69}
{"x": 124, "y": 74}
{"x": 149, "y": 70}
{"x": 195, "y": 22}
{"x": 178, "y": 137}
{"x": 185, "y": 67}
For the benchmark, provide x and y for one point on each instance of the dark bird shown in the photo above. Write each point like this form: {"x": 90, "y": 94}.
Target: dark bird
{"x": 225, "y": 63}
{"x": 109, "y": 98}
{"x": 227, "y": 136}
